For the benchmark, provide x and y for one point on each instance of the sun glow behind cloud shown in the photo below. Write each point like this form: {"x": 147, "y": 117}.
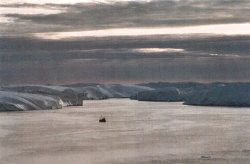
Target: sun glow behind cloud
{"x": 158, "y": 50}
{"x": 65, "y": 1}
{"x": 28, "y": 10}
{"x": 225, "y": 55}
{"x": 221, "y": 29}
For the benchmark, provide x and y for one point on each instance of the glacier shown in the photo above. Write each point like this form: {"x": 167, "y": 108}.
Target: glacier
{"x": 212, "y": 94}
{"x": 39, "y": 97}
{"x": 221, "y": 95}
{"x": 15, "y": 101}
{"x": 167, "y": 94}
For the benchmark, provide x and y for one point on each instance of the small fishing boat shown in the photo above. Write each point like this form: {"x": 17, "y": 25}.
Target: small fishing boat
{"x": 102, "y": 119}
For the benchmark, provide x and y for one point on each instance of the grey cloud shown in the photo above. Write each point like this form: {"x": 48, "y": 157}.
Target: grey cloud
{"x": 118, "y": 47}
{"x": 24, "y": 59}
{"x": 134, "y": 14}
{"x": 134, "y": 71}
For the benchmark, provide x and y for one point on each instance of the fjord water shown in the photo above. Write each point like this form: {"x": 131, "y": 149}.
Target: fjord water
{"x": 135, "y": 132}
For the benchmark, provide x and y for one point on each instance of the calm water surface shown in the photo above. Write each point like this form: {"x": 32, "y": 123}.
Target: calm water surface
{"x": 135, "y": 132}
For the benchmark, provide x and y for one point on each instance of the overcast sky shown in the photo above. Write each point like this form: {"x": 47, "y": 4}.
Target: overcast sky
{"x": 124, "y": 41}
